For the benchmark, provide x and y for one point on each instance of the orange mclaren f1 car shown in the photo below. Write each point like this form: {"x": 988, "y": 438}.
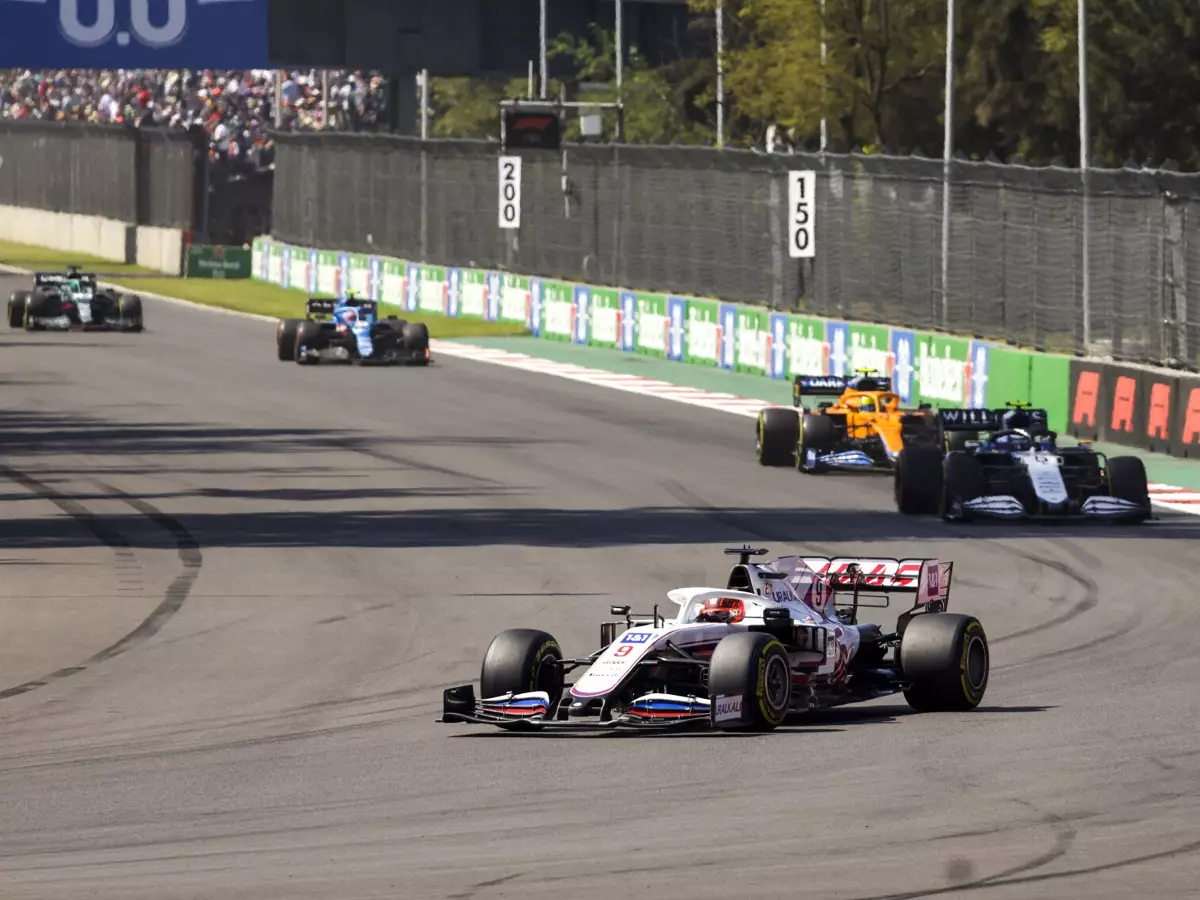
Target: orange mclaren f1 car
{"x": 864, "y": 428}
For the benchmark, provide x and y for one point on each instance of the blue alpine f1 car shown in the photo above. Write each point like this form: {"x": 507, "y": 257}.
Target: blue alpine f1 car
{"x": 350, "y": 331}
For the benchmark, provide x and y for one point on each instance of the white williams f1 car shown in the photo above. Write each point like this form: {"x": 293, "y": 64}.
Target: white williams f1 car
{"x": 781, "y": 638}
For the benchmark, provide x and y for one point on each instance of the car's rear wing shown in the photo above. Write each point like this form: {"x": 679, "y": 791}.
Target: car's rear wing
{"x": 836, "y": 385}
{"x": 928, "y": 580}
{"x": 53, "y": 279}
{"x": 973, "y": 419}
{"x": 324, "y": 306}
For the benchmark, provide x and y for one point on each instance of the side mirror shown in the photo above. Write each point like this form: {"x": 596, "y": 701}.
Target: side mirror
{"x": 619, "y": 610}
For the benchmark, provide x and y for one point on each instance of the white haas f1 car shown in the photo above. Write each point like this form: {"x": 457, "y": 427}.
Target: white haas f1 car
{"x": 780, "y": 639}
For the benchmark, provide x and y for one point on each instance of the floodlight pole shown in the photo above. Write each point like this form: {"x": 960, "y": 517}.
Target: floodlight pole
{"x": 824, "y": 84}
{"x": 620, "y": 36}
{"x": 720, "y": 73}
{"x": 542, "y": 45}
{"x": 947, "y": 157}
{"x": 1084, "y": 165}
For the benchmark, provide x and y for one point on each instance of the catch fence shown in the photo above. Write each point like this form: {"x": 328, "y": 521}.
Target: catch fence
{"x": 715, "y": 223}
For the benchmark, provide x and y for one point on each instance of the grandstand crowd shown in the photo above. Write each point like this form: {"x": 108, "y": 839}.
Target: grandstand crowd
{"x": 235, "y": 109}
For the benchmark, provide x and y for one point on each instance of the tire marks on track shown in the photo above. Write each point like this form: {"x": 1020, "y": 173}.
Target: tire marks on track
{"x": 125, "y": 560}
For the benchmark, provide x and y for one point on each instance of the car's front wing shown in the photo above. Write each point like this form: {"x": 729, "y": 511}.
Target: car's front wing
{"x": 531, "y": 712}
{"x": 1004, "y": 506}
{"x": 63, "y": 323}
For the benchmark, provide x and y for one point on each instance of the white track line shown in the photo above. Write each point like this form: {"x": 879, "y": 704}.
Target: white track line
{"x": 1168, "y": 496}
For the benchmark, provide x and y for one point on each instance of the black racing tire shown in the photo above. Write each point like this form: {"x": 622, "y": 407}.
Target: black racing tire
{"x": 517, "y": 660}
{"x": 285, "y": 339}
{"x": 16, "y": 309}
{"x": 946, "y": 660}
{"x": 39, "y": 305}
{"x": 307, "y": 333}
{"x": 396, "y": 323}
{"x": 129, "y": 311}
{"x": 962, "y": 480}
{"x": 917, "y": 481}
{"x": 1127, "y": 481}
{"x": 957, "y": 440}
{"x": 749, "y": 682}
{"x": 777, "y": 434}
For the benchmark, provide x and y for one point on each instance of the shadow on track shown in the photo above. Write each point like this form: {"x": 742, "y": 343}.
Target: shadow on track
{"x": 576, "y": 528}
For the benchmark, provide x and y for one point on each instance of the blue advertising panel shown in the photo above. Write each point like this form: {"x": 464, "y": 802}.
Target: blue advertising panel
{"x": 777, "y": 357}
{"x": 676, "y": 314}
{"x": 837, "y": 336}
{"x": 375, "y": 279}
{"x": 628, "y": 321}
{"x": 493, "y": 296}
{"x": 976, "y": 374}
{"x": 134, "y": 34}
{"x": 453, "y": 291}
{"x": 343, "y": 280}
{"x": 286, "y": 275}
{"x": 903, "y": 354}
{"x": 412, "y": 288}
{"x": 582, "y": 318}
{"x": 536, "y": 306}
{"x": 727, "y": 335}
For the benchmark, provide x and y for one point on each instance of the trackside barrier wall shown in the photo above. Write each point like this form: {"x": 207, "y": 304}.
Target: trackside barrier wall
{"x": 1152, "y": 409}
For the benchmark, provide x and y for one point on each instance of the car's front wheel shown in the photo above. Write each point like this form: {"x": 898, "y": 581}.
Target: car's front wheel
{"x": 521, "y": 660}
{"x": 749, "y": 682}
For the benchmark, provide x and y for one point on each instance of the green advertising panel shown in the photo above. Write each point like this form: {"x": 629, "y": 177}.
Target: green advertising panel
{"x": 327, "y": 273}
{"x": 870, "y": 347}
{"x": 514, "y": 298}
{"x": 703, "y": 329}
{"x": 216, "y": 261}
{"x": 1050, "y": 387}
{"x": 431, "y": 290}
{"x": 1008, "y": 376}
{"x": 360, "y": 274}
{"x": 296, "y": 274}
{"x": 604, "y": 310}
{"x": 941, "y": 364}
{"x": 472, "y": 294}
{"x": 653, "y": 327}
{"x": 806, "y": 346}
{"x": 750, "y": 349}
{"x": 392, "y": 273}
{"x": 558, "y": 310}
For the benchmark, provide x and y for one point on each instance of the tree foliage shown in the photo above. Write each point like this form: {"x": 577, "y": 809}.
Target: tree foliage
{"x": 881, "y": 83}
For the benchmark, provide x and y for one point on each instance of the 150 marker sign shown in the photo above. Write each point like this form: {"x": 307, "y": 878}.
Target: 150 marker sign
{"x": 510, "y": 192}
{"x": 802, "y": 214}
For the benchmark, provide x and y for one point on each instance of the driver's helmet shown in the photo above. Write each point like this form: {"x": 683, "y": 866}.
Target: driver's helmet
{"x": 1016, "y": 420}
{"x": 350, "y": 315}
{"x": 866, "y": 404}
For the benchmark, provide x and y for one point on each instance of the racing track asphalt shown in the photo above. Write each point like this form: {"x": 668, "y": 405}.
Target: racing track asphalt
{"x": 251, "y": 581}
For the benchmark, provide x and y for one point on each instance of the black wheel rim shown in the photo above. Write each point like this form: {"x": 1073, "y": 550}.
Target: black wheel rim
{"x": 977, "y": 662}
{"x": 778, "y": 678}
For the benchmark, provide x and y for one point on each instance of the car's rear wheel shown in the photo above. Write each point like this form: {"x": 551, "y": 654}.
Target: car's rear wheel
{"x": 777, "y": 431}
{"x": 946, "y": 659}
{"x": 749, "y": 682}
{"x": 917, "y": 481}
{"x": 521, "y": 660}
{"x": 1127, "y": 481}
{"x": 285, "y": 338}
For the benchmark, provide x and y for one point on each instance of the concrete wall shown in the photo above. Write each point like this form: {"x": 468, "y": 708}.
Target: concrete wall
{"x": 160, "y": 249}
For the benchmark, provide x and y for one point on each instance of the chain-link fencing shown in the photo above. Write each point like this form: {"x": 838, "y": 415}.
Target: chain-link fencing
{"x": 145, "y": 176}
